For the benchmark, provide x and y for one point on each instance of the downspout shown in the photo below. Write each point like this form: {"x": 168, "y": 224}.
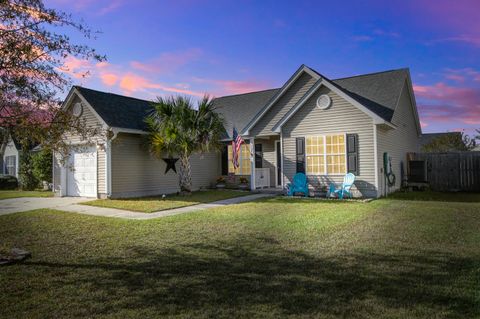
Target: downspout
{"x": 109, "y": 162}
{"x": 375, "y": 154}
{"x": 252, "y": 164}
{"x": 281, "y": 158}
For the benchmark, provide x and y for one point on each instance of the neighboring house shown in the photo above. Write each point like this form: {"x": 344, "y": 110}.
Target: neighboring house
{"x": 427, "y": 138}
{"x": 311, "y": 124}
{"x": 11, "y": 157}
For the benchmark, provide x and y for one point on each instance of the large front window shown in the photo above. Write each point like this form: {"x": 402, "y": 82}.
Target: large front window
{"x": 326, "y": 155}
{"x": 243, "y": 160}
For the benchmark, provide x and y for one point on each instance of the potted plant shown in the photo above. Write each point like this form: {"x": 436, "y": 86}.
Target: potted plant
{"x": 243, "y": 183}
{"x": 221, "y": 182}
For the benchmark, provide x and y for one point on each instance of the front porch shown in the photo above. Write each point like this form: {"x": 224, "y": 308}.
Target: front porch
{"x": 260, "y": 163}
{"x": 265, "y": 163}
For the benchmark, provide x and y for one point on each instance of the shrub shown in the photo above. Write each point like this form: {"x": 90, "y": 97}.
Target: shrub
{"x": 26, "y": 178}
{"x": 8, "y": 182}
{"x": 42, "y": 165}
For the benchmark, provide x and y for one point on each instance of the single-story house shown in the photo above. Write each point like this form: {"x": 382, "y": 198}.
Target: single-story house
{"x": 312, "y": 124}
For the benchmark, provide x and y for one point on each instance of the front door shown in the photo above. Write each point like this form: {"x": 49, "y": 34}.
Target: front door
{"x": 279, "y": 163}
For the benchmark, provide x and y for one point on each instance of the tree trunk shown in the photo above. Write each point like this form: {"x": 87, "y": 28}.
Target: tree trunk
{"x": 185, "y": 175}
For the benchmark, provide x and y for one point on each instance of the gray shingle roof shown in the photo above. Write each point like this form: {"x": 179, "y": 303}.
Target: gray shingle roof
{"x": 238, "y": 110}
{"x": 379, "y": 92}
{"x": 118, "y": 110}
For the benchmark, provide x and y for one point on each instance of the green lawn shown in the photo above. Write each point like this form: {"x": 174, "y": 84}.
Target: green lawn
{"x": 16, "y": 194}
{"x": 155, "y": 204}
{"x": 436, "y": 196}
{"x": 270, "y": 258}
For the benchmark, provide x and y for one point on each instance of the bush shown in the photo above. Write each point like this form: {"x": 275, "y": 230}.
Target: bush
{"x": 26, "y": 178}
{"x": 8, "y": 182}
{"x": 42, "y": 165}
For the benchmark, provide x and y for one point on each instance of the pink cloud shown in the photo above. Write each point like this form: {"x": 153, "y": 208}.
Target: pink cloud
{"x": 457, "y": 18}
{"x": 109, "y": 79}
{"x": 455, "y": 77}
{"x": 113, "y": 5}
{"x": 444, "y": 103}
{"x": 131, "y": 82}
{"x": 77, "y": 68}
{"x": 423, "y": 124}
{"x": 97, "y": 7}
{"x": 168, "y": 61}
{"x": 228, "y": 87}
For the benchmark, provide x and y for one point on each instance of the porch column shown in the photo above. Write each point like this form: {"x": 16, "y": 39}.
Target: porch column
{"x": 252, "y": 163}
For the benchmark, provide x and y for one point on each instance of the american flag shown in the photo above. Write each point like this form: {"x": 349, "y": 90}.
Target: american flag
{"x": 236, "y": 144}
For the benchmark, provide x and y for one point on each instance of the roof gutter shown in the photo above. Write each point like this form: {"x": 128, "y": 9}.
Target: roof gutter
{"x": 117, "y": 130}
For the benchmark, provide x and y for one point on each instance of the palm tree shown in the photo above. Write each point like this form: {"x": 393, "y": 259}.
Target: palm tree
{"x": 178, "y": 129}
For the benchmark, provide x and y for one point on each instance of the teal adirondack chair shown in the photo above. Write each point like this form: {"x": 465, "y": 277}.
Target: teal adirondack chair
{"x": 347, "y": 184}
{"x": 299, "y": 185}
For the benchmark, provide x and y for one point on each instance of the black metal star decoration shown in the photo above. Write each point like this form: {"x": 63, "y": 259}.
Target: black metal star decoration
{"x": 170, "y": 164}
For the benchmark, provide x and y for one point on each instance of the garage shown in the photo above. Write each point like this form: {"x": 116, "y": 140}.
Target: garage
{"x": 82, "y": 173}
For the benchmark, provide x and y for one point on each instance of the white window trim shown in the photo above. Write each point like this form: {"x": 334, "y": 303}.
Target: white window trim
{"x": 324, "y": 136}
{"x": 10, "y": 165}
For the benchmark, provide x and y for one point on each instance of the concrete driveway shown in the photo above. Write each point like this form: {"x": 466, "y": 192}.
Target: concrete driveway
{"x": 15, "y": 205}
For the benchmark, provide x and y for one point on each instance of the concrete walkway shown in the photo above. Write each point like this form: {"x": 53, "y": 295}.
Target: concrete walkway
{"x": 22, "y": 204}
{"x": 70, "y": 204}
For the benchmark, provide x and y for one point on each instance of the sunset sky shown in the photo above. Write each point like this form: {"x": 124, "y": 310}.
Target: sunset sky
{"x": 229, "y": 47}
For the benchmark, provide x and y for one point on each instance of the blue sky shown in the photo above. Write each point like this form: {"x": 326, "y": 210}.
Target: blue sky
{"x": 229, "y": 47}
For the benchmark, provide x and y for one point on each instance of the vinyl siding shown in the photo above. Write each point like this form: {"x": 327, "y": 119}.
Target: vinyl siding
{"x": 91, "y": 120}
{"x": 398, "y": 142}
{"x": 282, "y": 106}
{"x": 136, "y": 173}
{"x": 341, "y": 117}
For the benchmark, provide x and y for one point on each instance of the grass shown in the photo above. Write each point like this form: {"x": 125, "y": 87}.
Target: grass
{"x": 270, "y": 258}
{"x": 157, "y": 203}
{"x": 18, "y": 193}
{"x": 436, "y": 196}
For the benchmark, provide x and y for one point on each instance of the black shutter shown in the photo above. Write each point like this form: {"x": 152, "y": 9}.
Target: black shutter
{"x": 225, "y": 159}
{"x": 352, "y": 153}
{"x": 258, "y": 155}
{"x": 300, "y": 150}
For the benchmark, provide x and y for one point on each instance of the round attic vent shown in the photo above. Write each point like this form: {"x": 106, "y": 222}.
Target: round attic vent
{"x": 324, "y": 102}
{"x": 77, "y": 109}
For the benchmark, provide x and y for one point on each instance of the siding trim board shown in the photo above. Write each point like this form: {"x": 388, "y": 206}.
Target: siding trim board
{"x": 413, "y": 103}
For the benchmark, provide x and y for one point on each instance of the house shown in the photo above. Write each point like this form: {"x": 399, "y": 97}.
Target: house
{"x": 11, "y": 157}
{"x": 448, "y": 141}
{"x": 324, "y": 128}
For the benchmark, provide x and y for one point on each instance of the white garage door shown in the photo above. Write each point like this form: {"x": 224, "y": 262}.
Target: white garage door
{"x": 82, "y": 173}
